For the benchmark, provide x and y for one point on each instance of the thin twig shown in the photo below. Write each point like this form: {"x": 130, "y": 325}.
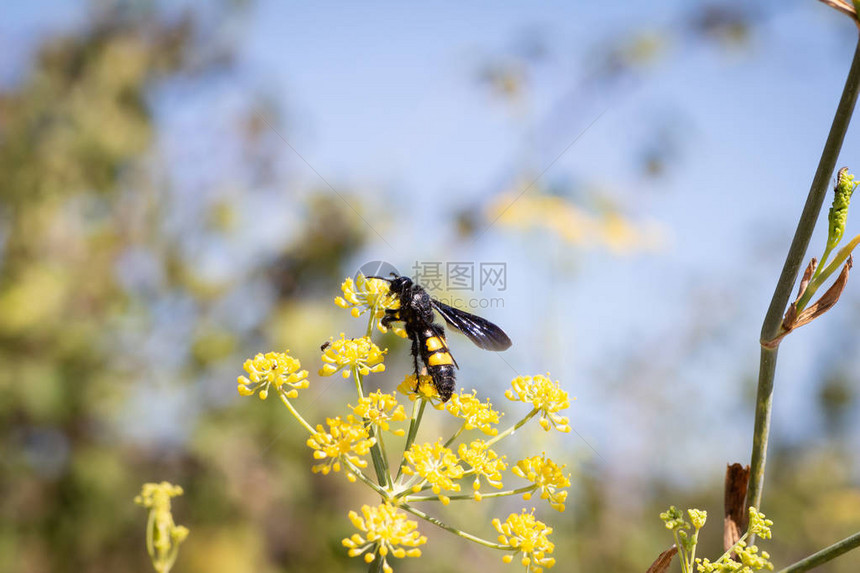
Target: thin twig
{"x": 825, "y": 555}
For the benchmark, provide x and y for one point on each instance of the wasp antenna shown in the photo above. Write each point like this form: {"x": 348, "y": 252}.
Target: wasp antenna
{"x": 380, "y": 278}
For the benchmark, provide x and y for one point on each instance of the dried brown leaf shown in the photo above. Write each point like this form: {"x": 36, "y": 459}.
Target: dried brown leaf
{"x": 828, "y": 299}
{"x": 793, "y": 319}
{"x": 807, "y": 275}
{"x": 734, "y": 503}
{"x": 663, "y": 561}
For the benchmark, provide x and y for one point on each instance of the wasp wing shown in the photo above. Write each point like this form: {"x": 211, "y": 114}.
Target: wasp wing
{"x": 482, "y": 332}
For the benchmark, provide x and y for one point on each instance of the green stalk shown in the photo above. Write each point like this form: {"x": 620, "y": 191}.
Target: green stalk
{"x": 414, "y": 423}
{"x": 513, "y": 428}
{"x": 788, "y": 277}
{"x": 356, "y": 471}
{"x": 524, "y": 489}
{"x": 825, "y": 555}
{"x": 456, "y": 434}
{"x": 379, "y": 464}
{"x": 282, "y": 395}
{"x": 377, "y": 565}
{"x": 454, "y": 530}
{"x": 150, "y": 536}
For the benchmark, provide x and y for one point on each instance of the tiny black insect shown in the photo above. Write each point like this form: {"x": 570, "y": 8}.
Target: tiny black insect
{"x": 428, "y": 337}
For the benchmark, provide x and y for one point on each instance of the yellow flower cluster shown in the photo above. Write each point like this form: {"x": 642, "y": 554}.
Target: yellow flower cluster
{"x": 363, "y": 294}
{"x": 545, "y": 396}
{"x": 438, "y": 465}
{"x": 474, "y": 413}
{"x": 349, "y": 354}
{"x": 547, "y": 476}
{"x": 346, "y": 440}
{"x": 380, "y": 409}
{"x": 163, "y": 536}
{"x": 425, "y": 390}
{"x": 485, "y": 464}
{"x": 750, "y": 561}
{"x": 387, "y": 530}
{"x": 272, "y": 369}
{"x": 759, "y": 525}
{"x": 157, "y": 495}
{"x": 529, "y": 537}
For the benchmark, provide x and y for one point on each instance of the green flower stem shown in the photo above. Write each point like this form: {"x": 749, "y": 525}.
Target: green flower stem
{"x": 732, "y": 549}
{"x": 841, "y": 257}
{"x": 454, "y": 530}
{"x": 171, "y": 558}
{"x": 526, "y": 489}
{"x": 513, "y": 428}
{"x": 380, "y": 443}
{"x": 682, "y": 553}
{"x": 150, "y": 536}
{"x": 380, "y": 464}
{"x": 817, "y": 273}
{"x": 417, "y": 415}
{"x": 377, "y": 565}
{"x": 693, "y": 552}
{"x": 282, "y": 395}
{"x": 456, "y": 434}
{"x": 359, "y": 383}
{"x": 825, "y": 555}
{"x": 386, "y": 495}
{"x": 371, "y": 320}
{"x": 788, "y": 277}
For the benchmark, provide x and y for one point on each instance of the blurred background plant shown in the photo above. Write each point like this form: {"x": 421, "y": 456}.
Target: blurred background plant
{"x": 180, "y": 184}
{"x": 163, "y": 536}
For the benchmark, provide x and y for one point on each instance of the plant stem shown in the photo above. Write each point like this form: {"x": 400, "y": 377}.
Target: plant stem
{"x": 282, "y": 395}
{"x": 788, "y": 277}
{"x": 379, "y": 464}
{"x": 455, "y": 435}
{"x": 524, "y": 489}
{"x": 452, "y": 529}
{"x": 417, "y": 414}
{"x": 356, "y": 471}
{"x": 824, "y": 555}
{"x": 513, "y": 428}
{"x": 376, "y": 566}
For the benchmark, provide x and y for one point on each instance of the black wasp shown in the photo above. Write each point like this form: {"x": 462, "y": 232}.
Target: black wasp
{"x": 428, "y": 337}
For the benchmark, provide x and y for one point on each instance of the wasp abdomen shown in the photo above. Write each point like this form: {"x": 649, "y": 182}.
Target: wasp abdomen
{"x": 440, "y": 363}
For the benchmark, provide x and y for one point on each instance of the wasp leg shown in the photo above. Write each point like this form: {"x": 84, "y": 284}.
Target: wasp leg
{"x": 415, "y": 362}
{"x": 391, "y": 315}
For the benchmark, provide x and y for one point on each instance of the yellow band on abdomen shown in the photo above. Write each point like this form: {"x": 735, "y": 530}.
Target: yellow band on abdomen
{"x": 439, "y": 359}
{"x": 434, "y": 343}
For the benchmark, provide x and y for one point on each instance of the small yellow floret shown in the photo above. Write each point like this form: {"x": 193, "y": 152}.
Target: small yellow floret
{"x": 346, "y": 440}
{"x": 380, "y": 409}
{"x": 437, "y": 464}
{"x": 273, "y": 369}
{"x": 352, "y": 355}
{"x": 387, "y": 530}
{"x": 547, "y": 478}
{"x": 545, "y": 396}
{"x": 363, "y": 294}
{"x": 485, "y": 463}
{"x": 473, "y": 412}
{"x": 527, "y": 536}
